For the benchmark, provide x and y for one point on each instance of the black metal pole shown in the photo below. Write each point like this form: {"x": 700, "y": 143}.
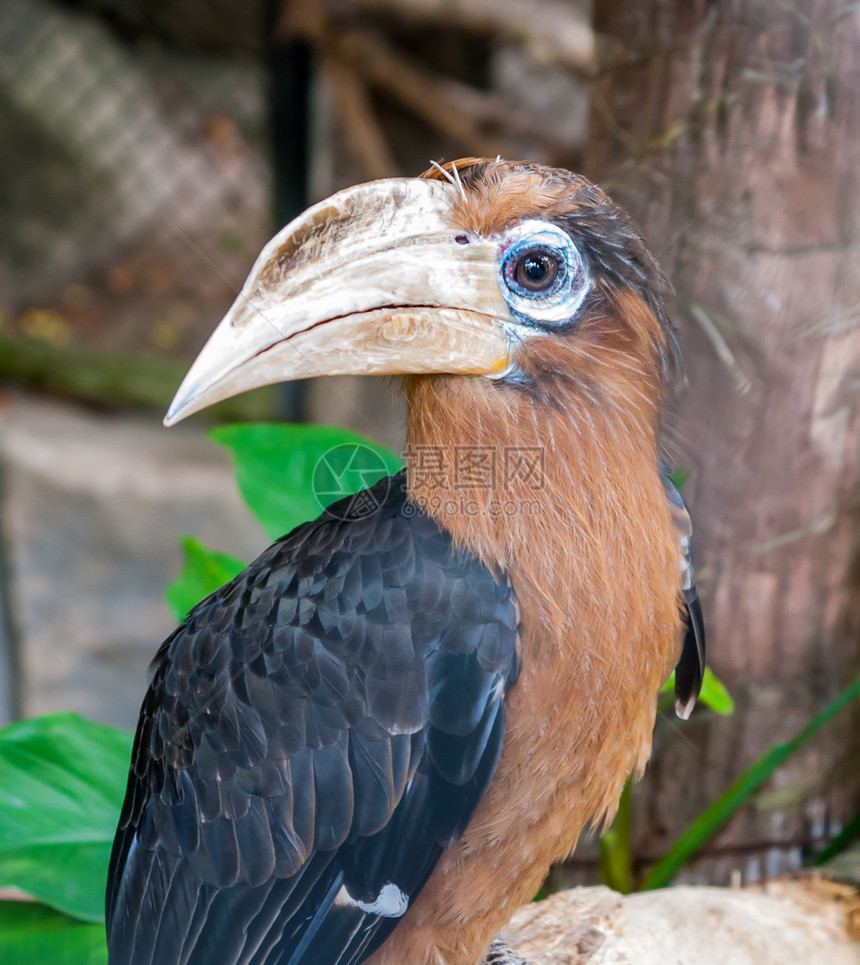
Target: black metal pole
{"x": 289, "y": 71}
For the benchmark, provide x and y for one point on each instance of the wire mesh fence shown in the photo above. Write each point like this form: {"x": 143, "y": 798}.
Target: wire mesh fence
{"x": 133, "y": 172}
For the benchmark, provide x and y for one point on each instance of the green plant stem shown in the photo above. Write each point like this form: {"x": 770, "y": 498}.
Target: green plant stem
{"x": 840, "y": 842}
{"x": 616, "y": 852}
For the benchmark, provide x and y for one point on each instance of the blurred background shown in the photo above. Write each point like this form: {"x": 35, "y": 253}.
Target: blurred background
{"x": 148, "y": 149}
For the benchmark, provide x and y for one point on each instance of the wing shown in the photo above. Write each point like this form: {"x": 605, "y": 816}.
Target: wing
{"x": 691, "y": 666}
{"x": 316, "y": 733}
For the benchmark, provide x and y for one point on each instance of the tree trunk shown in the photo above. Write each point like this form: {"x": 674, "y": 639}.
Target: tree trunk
{"x": 731, "y": 131}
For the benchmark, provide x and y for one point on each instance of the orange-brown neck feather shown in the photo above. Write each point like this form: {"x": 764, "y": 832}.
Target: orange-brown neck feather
{"x": 553, "y": 479}
{"x": 590, "y": 549}
{"x": 557, "y": 482}
{"x": 586, "y": 537}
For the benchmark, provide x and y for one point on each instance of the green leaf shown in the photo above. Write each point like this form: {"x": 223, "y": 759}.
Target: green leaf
{"x": 713, "y": 694}
{"x": 33, "y": 934}
{"x": 709, "y": 822}
{"x": 288, "y": 474}
{"x": 203, "y": 571}
{"x": 62, "y": 781}
{"x": 680, "y": 477}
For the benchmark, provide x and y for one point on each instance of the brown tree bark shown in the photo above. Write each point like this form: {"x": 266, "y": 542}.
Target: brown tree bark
{"x": 731, "y": 130}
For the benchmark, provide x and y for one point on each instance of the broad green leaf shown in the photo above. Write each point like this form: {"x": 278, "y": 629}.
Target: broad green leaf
{"x": 203, "y": 571}
{"x": 713, "y": 694}
{"x": 288, "y": 474}
{"x": 62, "y": 781}
{"x": 709, "y": 822}
{"x": 33, "y": 934}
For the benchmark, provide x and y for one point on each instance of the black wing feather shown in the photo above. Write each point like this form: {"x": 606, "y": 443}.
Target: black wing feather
{"x": 690, "y": 670}
{"x": 316, "y": 733}
{"x": 691, "y": 667}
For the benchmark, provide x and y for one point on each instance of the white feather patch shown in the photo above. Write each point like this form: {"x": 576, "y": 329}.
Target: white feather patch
{"x": 389, "y": 903}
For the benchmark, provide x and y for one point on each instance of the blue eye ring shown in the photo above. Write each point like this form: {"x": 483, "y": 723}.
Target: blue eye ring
{"x": 542, "y": 275}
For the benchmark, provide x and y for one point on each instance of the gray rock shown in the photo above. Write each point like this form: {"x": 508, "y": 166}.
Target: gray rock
{"x": 92, "y": 509}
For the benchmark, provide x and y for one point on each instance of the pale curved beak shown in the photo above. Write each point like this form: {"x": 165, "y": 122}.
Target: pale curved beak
{"x": 376, "y": 279}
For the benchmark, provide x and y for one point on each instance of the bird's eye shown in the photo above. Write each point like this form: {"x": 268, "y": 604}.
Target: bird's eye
{"x": 536, "y": 271}
{"x": 542, "y": 274}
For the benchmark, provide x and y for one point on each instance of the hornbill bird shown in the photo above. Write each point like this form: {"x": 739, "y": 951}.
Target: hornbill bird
{"x": 372, "y": 743}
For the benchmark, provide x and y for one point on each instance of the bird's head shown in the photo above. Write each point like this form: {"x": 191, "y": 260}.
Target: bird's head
{"x": 525, "y": 276}
{"x": 525, "y": 310}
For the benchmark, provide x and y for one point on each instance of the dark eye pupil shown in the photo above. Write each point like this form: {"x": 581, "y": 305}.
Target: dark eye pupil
{"x": 536, "y": 271}
{"x": 535, "y": 268}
